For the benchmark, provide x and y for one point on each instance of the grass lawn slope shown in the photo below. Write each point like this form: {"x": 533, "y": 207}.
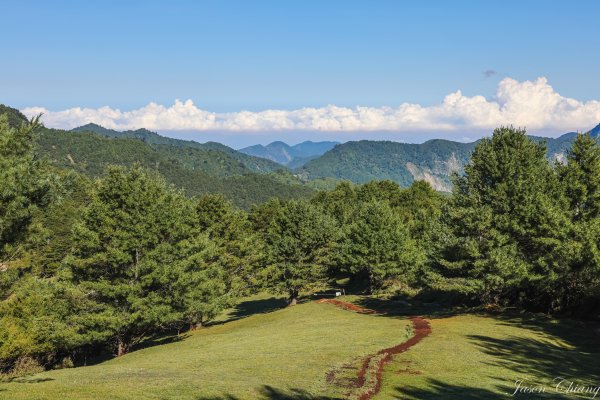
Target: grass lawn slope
{"x": 482, "y": 357}
{"x": 259, "y": 356}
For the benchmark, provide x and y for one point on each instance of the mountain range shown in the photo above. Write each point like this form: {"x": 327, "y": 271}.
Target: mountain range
{"x": 194, "y": 167}
{"x": 257, "y": 173}
{"x": 433, "y": 161}
{"x": 291, "y": 156}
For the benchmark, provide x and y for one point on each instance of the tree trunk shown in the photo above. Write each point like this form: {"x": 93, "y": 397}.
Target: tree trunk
{"x": 121, "y": 347}
{"x": 195, "y": 326}
{"x": 371, "y": 283}
{"x": 293, "y": 298}
{"x": 198, "y": 324}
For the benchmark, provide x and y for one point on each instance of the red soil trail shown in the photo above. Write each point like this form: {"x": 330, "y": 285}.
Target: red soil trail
{"x": 347, "y": 306}
{"x": 421, "y": 330}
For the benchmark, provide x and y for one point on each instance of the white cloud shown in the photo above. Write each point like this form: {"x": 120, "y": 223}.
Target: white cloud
{"x": 531, "y": 104}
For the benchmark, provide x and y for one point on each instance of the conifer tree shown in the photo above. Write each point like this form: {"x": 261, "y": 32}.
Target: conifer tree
{"x": 240, "y": 249}
{"x": 24, "y": 185}
{"x": 581, "y": 178}
{"x": 300, "y": 241}
{"x": 378, "y": 244}
{"x": 507, "y": 219}
{"x": 134, "y": 230}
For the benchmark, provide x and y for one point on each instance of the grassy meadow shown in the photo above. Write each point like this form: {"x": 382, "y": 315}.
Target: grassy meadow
{"x": 482, "y": 357}
{"x": 259, "y": 350}
{"x": 262, "y": 355}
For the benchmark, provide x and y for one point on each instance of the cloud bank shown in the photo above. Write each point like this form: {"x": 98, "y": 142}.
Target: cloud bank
{"x": 530, "y": 104}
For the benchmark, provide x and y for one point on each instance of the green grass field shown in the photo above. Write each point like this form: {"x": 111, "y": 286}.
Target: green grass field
{"x": 482, "y": 357}
{"x": 260, "y": 351}
{"x": 262, "y": 355}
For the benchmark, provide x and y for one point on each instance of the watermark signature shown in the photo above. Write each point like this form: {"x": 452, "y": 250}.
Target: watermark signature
{"x": 559, "y": 385}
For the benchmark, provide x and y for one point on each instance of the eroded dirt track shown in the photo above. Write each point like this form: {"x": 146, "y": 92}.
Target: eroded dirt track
{"x": 421, "y": 330}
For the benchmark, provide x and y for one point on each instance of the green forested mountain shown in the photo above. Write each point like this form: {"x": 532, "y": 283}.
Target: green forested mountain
{"x": 251, "y": 163}
{"x": 362, "y": 161}
{"x": 433, "y": 161}
{"x": 214, "y": 167}
{"x": 196, "y": 168}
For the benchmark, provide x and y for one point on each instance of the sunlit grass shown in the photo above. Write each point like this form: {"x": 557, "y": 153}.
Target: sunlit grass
{"x": 481, "y": 357}
{"x": 287, "y": 348}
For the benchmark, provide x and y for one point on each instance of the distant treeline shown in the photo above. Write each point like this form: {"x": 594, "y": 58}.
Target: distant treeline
{"x": 93, "y": 265}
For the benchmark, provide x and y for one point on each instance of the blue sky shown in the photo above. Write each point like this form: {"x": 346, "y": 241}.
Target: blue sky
{"x": 228, "y": 56}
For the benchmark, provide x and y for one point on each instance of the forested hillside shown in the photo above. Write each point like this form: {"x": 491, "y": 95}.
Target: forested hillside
{"x": 252, "y": 164}
{"x": 196, "y": 168}
{"x": 433, "y": 161}
{"x": 360, "y": 162}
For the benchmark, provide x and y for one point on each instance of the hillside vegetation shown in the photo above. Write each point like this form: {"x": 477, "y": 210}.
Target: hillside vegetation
{"x": 433, "y": 161}
{"x": 194, "y": 167}
{"x": 363, "y": 161}
{"x": 227, "y": 154}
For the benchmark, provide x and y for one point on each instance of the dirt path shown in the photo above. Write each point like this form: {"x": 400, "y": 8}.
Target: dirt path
{"x": 421, "y": 330}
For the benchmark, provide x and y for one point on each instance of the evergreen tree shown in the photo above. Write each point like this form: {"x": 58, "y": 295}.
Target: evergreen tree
{"x": 377, "y": 243}
{"x": 581, "y": 178}
{"x": 46, "y": 320}
{"x": 300, "y": 240}
{"x": 24, "y": 186}
{"x": 421, "y": 208}
{"x": 240, "y": 248}
{"x": 132, "y": 231}
{"x": 198, "y": 284}
{"x": 339, "y": 202}
{"x": 506, "y": 218}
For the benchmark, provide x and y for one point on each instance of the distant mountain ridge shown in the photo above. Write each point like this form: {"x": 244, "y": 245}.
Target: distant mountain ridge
{"x": 292, "y": 156}
{"x": 433, "y": 161}
{"x": 194, "y": 167}
{"x": 211, "y": 166}
{"x": 252, "y": 163}
{"x": 365, "y": 160}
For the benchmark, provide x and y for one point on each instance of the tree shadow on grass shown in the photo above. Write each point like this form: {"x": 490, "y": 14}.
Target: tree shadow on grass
{"x": 436, "y": 389}
{"x": 577, "y": 333}
{"x": 241, "y": 310}
{"x": 250, "y": 307}
{"x": 30, "y": 379}
{"x": 564, "y": 348}
{"x": 406, "y": 308}
{"x": 105, "y": 353}
{"x": 542, "y": 358}
{"x": 271, "y": 393}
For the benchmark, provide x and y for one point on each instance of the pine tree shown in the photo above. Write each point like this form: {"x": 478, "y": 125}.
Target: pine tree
{"x": 240, "y": 249}
{"x": 378, "y": 243}
{"x": 24, "y": 185}
{"x": 506, "y": 218}
{"x": 133, "y": 230}
{"x": 46, "y": 320}
{"x": 300, "y": 240}
{"x": 581, "y": 178}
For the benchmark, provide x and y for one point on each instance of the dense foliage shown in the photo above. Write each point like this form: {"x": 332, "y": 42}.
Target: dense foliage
{"x": 510, "y": 236}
